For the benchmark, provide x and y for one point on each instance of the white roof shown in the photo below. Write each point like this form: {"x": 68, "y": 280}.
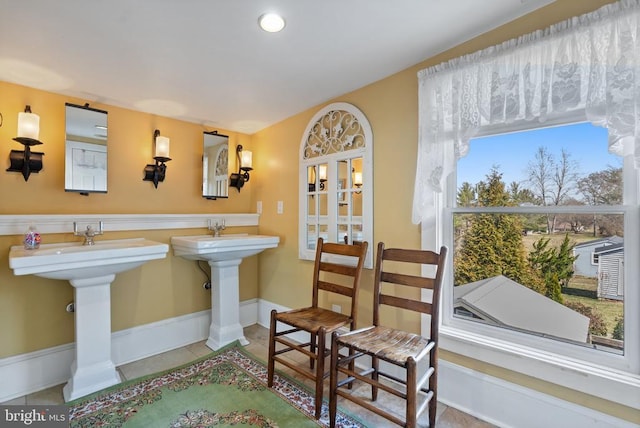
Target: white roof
{"x": 506, "y": 302}
{"x": 609, "y": 240}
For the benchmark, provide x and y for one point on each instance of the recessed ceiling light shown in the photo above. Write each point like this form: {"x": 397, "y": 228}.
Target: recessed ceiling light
{"x": 271, "y": 22}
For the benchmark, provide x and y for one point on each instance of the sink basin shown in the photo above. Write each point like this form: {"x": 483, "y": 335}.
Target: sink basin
{"x": 224, "y": 254}
{"x": 90, "y": 269}
{"x": 71, "y": 261}
{"x": 219, "y": 248}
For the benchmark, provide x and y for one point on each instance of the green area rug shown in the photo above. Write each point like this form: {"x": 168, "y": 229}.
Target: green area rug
{"x": 228, "y": 387}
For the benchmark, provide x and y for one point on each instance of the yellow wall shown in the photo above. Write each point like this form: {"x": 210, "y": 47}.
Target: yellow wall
{"x": 391, "y": 106}
{"x": 32, "y": 309}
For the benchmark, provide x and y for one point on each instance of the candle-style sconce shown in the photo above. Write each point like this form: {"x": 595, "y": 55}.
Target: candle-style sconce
{"x": 157, "y": 172}
{"x": 26, "y": 161}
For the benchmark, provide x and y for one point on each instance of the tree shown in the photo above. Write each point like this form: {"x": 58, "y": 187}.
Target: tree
{"x": 552, "y": 181}
{"x": 466, "y": 195}
{"x": 493, "y": 244}
{"x": 555, "y": 265}
{"x": 603, "y": 188}
{"x": 618, "y": 330}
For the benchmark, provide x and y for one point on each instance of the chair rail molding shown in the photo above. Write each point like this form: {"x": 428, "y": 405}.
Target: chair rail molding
{"x": 16, "y": 224}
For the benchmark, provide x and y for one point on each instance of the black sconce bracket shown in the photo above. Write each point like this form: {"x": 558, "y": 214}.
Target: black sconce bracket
{"x": 25, "y": 161}
{"x": 238, "y": 179}
{"x": 157, "y": 171}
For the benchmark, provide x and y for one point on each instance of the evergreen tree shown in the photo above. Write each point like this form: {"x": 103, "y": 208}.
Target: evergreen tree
{"x": 554, "y": 265}
{"x": 493, "y": 244}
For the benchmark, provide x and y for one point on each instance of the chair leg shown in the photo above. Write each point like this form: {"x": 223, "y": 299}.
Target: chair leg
{"x": 411, "y": 394}
{"x": 433, "y": 404}
{"x": 312, "y": 349}
{"x": 375, "y": 377}
{"x": 272, "y": 349}
{"x": 333, "y": 382}
{"x": 320, "y": 370}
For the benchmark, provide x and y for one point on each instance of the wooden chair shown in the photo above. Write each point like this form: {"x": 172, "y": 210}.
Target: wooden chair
{"x": 401, "y": 349}
{"x": 329, "y": 276}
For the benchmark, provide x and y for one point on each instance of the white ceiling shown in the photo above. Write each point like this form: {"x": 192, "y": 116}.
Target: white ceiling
{"x": 207, "y": 61}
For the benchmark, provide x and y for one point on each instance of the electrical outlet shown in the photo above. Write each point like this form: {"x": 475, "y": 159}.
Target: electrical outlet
{"x": 280, "y": 207}
{"x": 259, "y": 207}
{"x": 336, "y": 308}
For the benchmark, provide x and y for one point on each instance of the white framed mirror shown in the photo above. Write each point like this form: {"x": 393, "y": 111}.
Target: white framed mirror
{"x": 336, "y": 180}
{"x": 85, "y": 149}
{"x": 215, "y": 165}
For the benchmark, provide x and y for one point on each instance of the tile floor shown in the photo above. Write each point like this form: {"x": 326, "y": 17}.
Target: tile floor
{"x": 447, "y": 417}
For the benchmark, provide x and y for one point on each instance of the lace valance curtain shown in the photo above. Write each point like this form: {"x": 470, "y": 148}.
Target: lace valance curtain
{"x": 588, "y": 64}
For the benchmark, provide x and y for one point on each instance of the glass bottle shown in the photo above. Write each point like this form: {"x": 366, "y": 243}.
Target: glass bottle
{"x": 32, "y": 239}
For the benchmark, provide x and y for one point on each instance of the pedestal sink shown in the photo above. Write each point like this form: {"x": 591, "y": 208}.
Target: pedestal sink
{"x": 90, "y": 270}
{"x": 224, "y": 255}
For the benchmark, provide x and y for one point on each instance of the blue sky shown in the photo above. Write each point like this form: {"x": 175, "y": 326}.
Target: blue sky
{"x": 512, "y": 152}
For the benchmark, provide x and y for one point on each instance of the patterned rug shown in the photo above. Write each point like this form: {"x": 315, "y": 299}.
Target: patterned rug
{"x": 228, "y": 387}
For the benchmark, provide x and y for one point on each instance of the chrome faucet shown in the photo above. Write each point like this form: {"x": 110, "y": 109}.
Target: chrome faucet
{"x": 88, "y": 233}
{"x": 216, "y": 227}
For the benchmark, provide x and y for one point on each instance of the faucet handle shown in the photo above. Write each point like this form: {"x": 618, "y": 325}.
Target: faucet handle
{"x": 216, "y": 225}
{"x": 100, "y": 228}
{"x": 88, "y": 230}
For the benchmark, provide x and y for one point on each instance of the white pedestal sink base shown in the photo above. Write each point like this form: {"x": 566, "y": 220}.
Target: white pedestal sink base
{"x": 92, "y": 369}
{"x": 90, "y": 269}
{"x": 224, "y": 255}
{"x": 89, "y": 380}
{"x": 225, "y": 325}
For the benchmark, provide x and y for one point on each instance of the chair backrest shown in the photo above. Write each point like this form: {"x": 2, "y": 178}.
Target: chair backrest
{"x": 341, "y": 274}
{"x": 408, "y": 258}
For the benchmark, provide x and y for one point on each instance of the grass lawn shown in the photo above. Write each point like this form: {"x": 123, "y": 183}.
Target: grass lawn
{"x": 609, "y": 309}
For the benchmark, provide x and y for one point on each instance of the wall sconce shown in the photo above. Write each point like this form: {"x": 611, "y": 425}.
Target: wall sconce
{"x": 357, "y": 181}
{"x": 323, "y": 175}
{"x": 245, "y": 161}
{"x": 311, "y": 177}
{"x": 26, "y": 161}
{"x": 156, "y": 172}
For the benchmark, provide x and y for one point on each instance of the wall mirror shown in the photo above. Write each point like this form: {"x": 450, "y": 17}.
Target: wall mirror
{"x": 85, "y": 149}
{"x": 336, "y": 180}
{"x": 215, "y": 166}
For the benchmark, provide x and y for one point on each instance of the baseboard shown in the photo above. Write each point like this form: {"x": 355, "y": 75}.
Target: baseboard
{"x": 494, "y": 400}
{"x": 506, "y": 404}
{"x": 151, "y": 339}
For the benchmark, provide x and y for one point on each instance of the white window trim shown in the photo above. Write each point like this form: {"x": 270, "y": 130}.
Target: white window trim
{"x": 598, "y": 373}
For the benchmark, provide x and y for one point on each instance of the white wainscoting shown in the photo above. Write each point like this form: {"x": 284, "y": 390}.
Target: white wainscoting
{"x": 27, "y": 373}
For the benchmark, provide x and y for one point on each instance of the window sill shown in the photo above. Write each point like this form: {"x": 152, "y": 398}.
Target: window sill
{"x": 606, "y": 383}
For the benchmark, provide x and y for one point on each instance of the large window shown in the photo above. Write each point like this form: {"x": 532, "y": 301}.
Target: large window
{"x": 525, "y": 225}
{"x": 524, "y": 212}
{"x": 583, "y": 69}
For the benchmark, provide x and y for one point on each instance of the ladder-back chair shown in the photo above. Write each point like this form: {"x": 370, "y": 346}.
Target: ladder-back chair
{"x": 400, "y": 349}
{"x": 330, "y": 275}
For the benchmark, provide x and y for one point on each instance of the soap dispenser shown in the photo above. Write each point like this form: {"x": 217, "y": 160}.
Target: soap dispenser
{"x": 32, "y": 239}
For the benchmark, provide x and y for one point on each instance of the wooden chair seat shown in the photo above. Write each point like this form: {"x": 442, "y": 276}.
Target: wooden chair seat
{"x": 389, "y": 344}
{"x": 311, "y": 319}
